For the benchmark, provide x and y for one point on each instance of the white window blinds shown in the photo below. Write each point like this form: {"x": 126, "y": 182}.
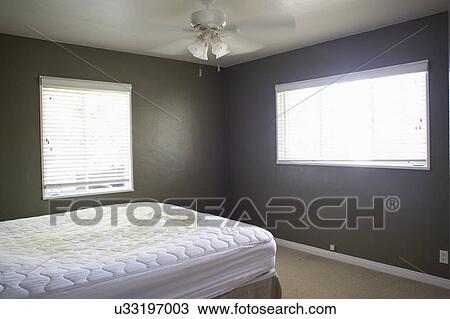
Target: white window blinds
{"x": 370, "y": 118}
{"x": 85, "y": 137}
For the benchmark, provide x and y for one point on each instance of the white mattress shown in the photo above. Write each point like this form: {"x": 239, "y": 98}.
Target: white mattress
{"x": 128, "y": 261}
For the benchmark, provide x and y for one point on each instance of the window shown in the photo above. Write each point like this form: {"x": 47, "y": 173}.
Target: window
{"x": 375, "y": 118}
{"x": 85, "y": 137}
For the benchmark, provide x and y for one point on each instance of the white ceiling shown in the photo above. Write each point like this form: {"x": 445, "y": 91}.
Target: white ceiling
{"x": 126, "y": 25}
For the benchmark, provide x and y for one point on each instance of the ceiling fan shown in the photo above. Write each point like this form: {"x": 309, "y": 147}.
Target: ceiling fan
{"x": 212, "y": 30}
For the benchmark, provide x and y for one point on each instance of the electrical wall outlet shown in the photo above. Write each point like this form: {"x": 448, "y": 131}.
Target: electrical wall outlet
{"x": 332, "y": 247}
{"x": 443, "y": 256}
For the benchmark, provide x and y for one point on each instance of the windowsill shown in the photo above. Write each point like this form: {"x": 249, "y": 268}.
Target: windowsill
{"x": 356, "y": 164}
{"x": 68, "y": 196}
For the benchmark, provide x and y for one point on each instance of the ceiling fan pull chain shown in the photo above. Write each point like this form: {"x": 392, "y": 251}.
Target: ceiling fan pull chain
{"x": 200, "y": 71}
{"x": 218, "y": 67}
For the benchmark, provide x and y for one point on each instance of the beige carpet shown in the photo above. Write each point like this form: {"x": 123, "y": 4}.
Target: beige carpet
{"x": 307, "y": 276}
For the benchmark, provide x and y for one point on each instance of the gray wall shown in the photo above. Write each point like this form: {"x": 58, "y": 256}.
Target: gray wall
{"x": 170, "y": 158}
{"x": 421, "y": 227}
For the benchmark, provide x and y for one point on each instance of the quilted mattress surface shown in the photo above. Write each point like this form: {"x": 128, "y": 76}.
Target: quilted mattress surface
{"x": 115, "y": 258}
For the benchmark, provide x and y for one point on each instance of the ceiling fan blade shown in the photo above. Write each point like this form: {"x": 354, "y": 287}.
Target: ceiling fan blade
{"x": 267, "y": 24}
{"x": 179, "y": 47}
{"x": 240, "y": 45}
{"x": 155, "y": 27}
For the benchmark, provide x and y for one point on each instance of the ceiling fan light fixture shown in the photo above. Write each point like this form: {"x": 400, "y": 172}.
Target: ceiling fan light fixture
{"x": 199, "y": 49}
{"x": 218, "y": 47}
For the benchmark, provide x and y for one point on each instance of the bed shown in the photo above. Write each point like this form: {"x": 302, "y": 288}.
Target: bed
{"x": 181, "y": 255}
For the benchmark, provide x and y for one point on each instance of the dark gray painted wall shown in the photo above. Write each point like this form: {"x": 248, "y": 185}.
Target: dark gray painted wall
{"x": 170, "y": 158}
{"x": 420, "y": 229}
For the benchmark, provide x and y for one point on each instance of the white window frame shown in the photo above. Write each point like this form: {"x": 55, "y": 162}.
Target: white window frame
{"x": 419, "y": 66}
{"x": 94, "y": 85}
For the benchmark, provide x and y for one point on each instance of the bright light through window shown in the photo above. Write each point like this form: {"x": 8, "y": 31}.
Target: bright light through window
{"x": 86, "y": 137}
{"x": 371, "y": 118}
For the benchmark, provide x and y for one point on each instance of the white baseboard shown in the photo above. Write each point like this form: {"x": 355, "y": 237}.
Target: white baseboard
{"x": 372, "y": 265}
